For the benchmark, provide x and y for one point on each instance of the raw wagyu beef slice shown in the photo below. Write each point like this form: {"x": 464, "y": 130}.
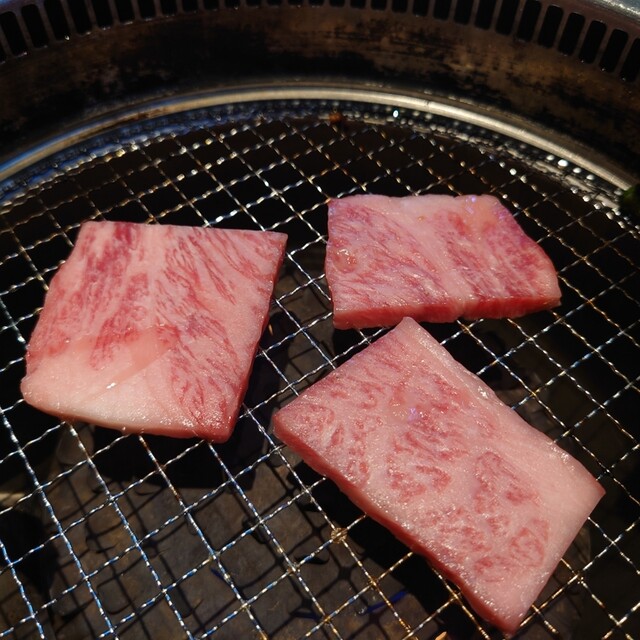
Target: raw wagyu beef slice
{"x": 427, "y": 449}
{"x": 433, "y": 258}
{"x": 153, "y": 328}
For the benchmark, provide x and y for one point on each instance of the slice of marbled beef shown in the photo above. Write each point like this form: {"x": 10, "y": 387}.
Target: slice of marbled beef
{"x": 427, "y": 449}
{"x": 433, "y": 258}
{"x": 153, "y": 328}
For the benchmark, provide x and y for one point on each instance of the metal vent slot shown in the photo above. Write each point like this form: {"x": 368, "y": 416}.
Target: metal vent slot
{"x": 571, "y": 33}
{"x": 441, "y": 9}
{"x": 57, "y": 19}
{"x": 398, "y": 6}
{"x": 147, "y": 8}
{"x": 80, "y": 16}
{"x": 591, "y": 45}
{"x": 631, "y": 67}
{"x": 170, "y": 7}
{"x": 528, "y": 21}
{"x": 614, "y": 49}
{"x": 507, "y": 16}
{"x": 102, "y": 13}
{"x": 15, "y": 39}
{"x": 484, "y": 14}
{"x": 35, "y": 26}
{"x": 463, "y": 11}
{"x": 550, "y": 26}
{"x": 124, "y": 9}
{"x": 420, "y": 7}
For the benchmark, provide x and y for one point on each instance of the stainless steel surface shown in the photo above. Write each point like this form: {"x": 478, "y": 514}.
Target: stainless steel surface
{"x": 105, "y": 535}
{"x": 572, "y": 65}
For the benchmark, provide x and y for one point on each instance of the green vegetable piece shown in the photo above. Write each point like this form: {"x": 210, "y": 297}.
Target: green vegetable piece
{"x": 630, "y": 201}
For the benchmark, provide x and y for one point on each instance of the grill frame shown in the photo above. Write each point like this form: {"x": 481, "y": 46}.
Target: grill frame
{"x": 573, "y": 66}
{"x": 334, "y": 128}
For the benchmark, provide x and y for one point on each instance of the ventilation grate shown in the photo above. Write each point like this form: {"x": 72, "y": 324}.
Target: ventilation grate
{"x": 571, "y": 33}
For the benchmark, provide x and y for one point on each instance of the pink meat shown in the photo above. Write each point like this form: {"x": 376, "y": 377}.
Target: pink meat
{"x": 427, "y": 449}
{"x": 153, "y": 328}
{"x": 433, "y": 258}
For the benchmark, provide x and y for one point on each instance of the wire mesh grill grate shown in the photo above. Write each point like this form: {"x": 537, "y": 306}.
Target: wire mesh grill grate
{"x": 137, "y": 536}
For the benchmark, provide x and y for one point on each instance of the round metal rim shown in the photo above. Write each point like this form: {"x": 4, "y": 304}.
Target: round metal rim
{"x": 490, "y": 119}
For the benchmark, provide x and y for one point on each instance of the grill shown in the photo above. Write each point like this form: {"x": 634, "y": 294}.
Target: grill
{"x": 107, "y": 535}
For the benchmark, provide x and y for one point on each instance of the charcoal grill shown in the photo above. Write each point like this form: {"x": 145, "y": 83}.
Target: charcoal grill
{"x": 252, "y": 114}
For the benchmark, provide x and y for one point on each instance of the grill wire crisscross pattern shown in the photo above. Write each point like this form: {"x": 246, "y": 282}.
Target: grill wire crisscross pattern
{"x": 137, "y": 536}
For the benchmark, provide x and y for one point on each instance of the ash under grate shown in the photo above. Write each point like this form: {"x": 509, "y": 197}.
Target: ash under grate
{"x": 148, "y": 537}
